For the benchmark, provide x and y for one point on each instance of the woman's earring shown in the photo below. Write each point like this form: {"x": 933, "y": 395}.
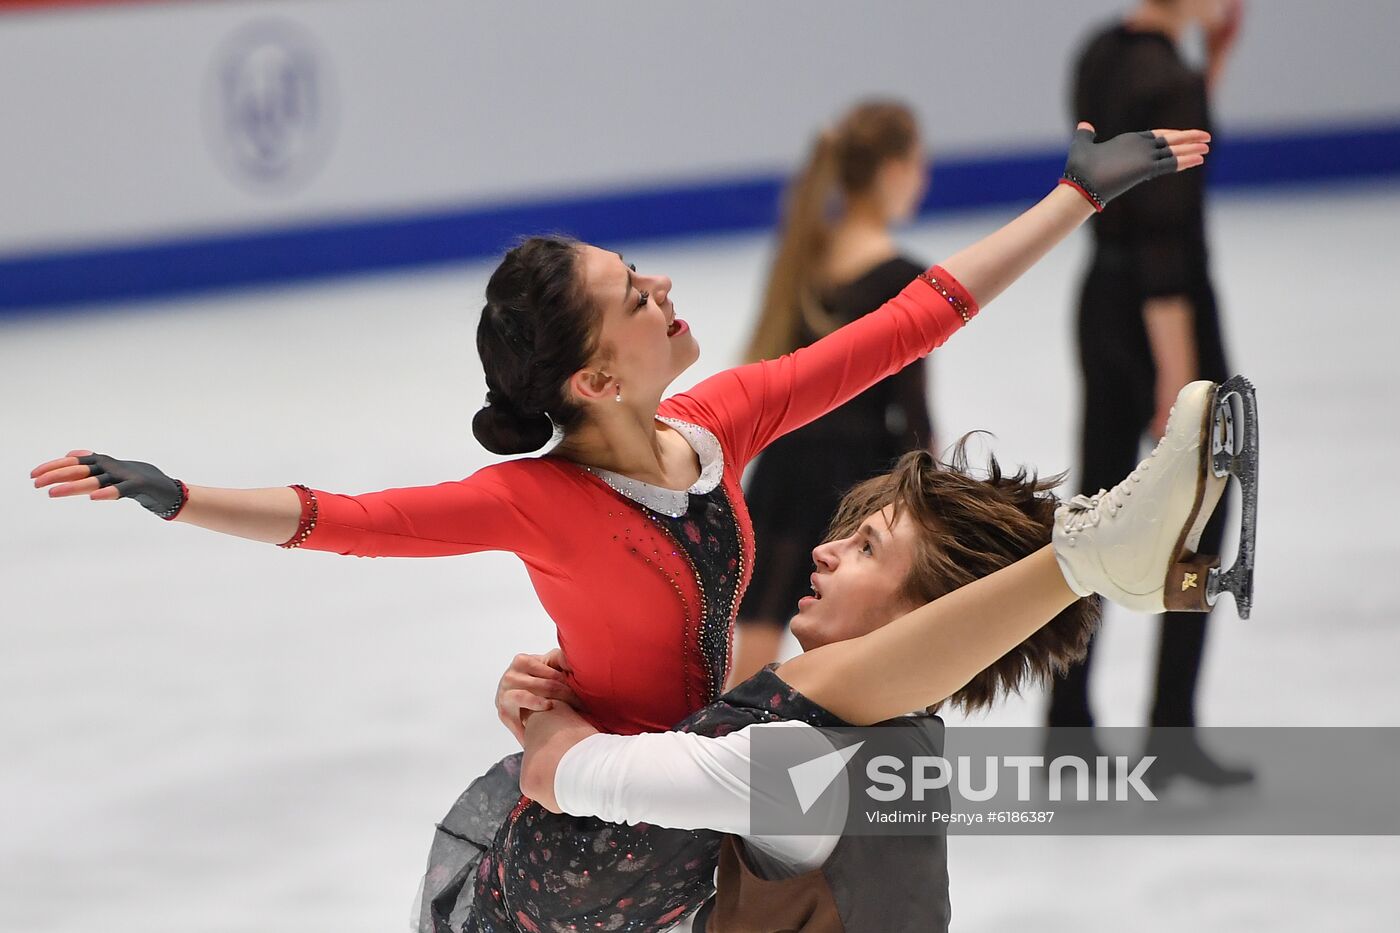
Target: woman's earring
{"x": 619, "y": 393}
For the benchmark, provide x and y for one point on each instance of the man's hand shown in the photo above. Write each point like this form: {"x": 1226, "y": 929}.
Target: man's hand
{"x": 1221, "y": 33}
{"x": 1171, "y": 336}
{"x": 1168, "y": 386}
{"x": 531, "y": 684}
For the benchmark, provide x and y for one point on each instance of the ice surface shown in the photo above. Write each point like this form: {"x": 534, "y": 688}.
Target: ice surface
{"x": 202, "y": 733}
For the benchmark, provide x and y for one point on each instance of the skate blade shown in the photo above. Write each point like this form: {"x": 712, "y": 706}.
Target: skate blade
{"x": 1235, "y": 453}
{"x": 1229, "y": 448}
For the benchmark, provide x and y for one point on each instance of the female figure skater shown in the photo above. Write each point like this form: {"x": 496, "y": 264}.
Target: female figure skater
{"x": 1148, "y": 324}
{"x": 829, "y": 272}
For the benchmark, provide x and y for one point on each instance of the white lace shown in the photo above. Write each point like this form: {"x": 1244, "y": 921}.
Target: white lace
{"x": 1086, "y": 511}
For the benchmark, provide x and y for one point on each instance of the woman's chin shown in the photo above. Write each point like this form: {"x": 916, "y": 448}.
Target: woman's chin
{"x": 686, "y": 360}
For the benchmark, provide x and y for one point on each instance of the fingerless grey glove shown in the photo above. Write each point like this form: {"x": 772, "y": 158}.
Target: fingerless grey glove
{"x": 1102, "y": 171}
{"x": 140, "y": 481}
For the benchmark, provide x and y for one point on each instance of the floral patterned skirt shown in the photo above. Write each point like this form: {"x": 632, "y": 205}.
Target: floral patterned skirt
{"x": 501, "y": 863}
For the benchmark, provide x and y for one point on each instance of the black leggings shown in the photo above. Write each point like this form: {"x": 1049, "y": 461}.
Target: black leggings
{"x": 1118, "y": 384}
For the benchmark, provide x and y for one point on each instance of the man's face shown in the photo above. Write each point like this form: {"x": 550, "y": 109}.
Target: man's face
{"x": 858, "y": 581}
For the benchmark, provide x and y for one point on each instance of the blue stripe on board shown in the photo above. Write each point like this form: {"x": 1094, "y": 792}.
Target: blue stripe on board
{"x": 315, "y": 251}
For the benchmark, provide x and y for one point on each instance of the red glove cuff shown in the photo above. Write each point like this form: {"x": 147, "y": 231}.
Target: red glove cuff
{"x": 184, "y": 497}
{"x": 1078, "y": 185}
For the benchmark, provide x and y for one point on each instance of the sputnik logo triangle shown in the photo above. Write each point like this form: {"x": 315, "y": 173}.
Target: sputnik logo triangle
{"x": 811, "y": 778}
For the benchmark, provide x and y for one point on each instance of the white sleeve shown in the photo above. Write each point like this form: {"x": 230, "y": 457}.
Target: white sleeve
{"x": 674, "y": 779}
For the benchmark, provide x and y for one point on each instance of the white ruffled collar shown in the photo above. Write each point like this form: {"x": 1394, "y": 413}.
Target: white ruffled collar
{"x": 673, "y": 502}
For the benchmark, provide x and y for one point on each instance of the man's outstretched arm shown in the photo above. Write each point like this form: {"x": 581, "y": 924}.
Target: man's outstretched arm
{"x": 679, "y": 780}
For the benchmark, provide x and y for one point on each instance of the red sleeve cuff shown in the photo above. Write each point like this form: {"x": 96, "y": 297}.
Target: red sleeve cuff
{"x": 942, "y": 281}
{"x": 309, "y": 513}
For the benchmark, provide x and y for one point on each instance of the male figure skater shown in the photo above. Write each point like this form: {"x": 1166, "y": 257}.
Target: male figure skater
{"x": 876, "y": 645}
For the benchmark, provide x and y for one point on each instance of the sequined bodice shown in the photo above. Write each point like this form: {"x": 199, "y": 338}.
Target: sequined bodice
{"x": 701, "y": 525}
{"x": 709, "y": 537}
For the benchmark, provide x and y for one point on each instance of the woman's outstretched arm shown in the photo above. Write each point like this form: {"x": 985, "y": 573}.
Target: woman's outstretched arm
{"x": 488, "y": 511}
{"x": 267, "y": 515}
{"x": 929, "y": 654}
{"x": 751, "y": 406}
{"x": 991, "y": 264}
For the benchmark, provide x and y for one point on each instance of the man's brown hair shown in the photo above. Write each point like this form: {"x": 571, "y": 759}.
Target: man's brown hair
{"x": 970, "y": 527}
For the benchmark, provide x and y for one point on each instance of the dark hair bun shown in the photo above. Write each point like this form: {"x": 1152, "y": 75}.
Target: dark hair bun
{"x": 537, "y": 329}
{"x": 502, "y": 429}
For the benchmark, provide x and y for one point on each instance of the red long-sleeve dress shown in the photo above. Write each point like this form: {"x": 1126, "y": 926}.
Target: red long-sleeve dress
{"x": 644, "y": 611}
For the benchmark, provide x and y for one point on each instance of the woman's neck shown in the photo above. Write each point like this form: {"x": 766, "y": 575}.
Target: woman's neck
{"x": 860, "y": 240}
{"x": 632, "y": 443}
{"x": 863, "y": 215}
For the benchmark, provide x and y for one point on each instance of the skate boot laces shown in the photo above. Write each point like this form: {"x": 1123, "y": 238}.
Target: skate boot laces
{"x": 1086, "y": 511}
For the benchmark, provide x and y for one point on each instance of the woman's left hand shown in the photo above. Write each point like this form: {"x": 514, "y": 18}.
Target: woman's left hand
{"x": 1103, "y": 170}
{"x": 531, "y": 684}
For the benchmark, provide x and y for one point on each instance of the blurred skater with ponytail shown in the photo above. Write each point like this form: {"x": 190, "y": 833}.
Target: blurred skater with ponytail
{"x": 836, "y": 261}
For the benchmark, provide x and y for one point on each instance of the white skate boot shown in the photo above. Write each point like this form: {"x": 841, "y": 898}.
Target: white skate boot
{"x": 1135, "y": 544}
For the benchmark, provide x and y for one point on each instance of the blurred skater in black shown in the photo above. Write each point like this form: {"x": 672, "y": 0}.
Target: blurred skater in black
{"x": 836, "y": 261}
{"x": 1147, "y": 326}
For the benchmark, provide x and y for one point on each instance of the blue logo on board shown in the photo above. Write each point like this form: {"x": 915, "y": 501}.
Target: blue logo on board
{"x": 270, "y": 106}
